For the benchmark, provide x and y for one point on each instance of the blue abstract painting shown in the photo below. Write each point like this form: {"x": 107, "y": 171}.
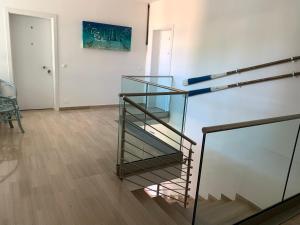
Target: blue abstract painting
{"x": 106, "y": 36}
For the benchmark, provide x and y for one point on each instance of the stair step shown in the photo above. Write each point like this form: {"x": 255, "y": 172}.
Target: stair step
{"x": 152, "y": 208}
{"x": 212, "y": 198}
{"x": 171, "y": 211}
{"x": 207, "y": 206}
{"x": 225, "y": 213}
{"x": 186, "y": 212}
{"x": 241, "y": 217}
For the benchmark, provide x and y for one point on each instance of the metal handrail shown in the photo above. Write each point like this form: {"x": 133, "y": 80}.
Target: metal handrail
{"x": 156, "y": 85}
{"x": 149, "y": 76}
{"x": 137, "y": 94}
{"x": 232, "y": 126}
{"x": 158, "y": 120}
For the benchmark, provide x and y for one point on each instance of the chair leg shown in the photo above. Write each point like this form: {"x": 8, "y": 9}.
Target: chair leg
{"x": 10, "y": 123}
{"x": 19, "y": 122}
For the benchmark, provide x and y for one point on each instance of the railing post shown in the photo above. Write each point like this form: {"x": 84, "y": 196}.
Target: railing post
{"x": 121, "y": 172}
{"x": 158, "y": 190}
{"x": 199, "y": 179}
{"x": 146, "y": 106}
{"x": 183, "y": 120}
{"x": 188, "y": 177}
{"x": 291, "y": 164}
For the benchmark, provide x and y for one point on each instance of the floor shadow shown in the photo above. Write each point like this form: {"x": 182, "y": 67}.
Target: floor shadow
{"x": 10, "y": 152}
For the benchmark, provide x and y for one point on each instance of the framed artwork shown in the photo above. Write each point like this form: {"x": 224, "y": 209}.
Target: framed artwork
{"x": 106, "y": 36}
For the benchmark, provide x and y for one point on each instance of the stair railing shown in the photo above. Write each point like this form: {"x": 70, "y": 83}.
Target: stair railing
{"x": 200, "y": 79}
{"x": 267, "y": 149}
{"x": 172, "y": 170}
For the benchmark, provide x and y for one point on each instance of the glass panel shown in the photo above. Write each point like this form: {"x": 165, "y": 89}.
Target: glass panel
{"x": 145, "y": 136}
{"x": 247, "y": 165}
{"x": 293, "y": 187}
{"x": 165, "y": 81}
{"x": 158, "y": 103}
{"x": 134, "y": 86}
{"x": 143, "y": 140}
{"x": 178, "y": 105}
{"x": 161, "y": 80}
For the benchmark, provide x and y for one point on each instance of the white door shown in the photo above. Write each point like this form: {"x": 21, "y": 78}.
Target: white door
{"x": 31, "y": 43}
{"x": 161, "y": 65}
{"x": 161, "y": 53}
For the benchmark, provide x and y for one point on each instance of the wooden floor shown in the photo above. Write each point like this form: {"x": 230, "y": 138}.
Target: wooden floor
{"x": 294, "y": 221}
{"x": 62, "y": 172}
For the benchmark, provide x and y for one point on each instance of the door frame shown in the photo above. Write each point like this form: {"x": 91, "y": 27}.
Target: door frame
{"x": 163, "y": 28}
{"x": 54, "y": 47}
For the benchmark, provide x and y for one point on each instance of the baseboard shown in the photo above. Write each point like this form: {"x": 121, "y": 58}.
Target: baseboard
{"x": 88, "y": 107}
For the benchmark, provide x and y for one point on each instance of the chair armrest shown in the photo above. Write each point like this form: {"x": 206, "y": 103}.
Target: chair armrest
{"x": 4, "y": 83}
{"x": 7, "y": 83}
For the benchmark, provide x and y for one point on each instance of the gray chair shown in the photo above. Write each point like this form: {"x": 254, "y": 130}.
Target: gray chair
{"x": 9, "y": 109}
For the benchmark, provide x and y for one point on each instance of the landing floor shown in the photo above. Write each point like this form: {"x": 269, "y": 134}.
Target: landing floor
{"x": 62, "y": 171}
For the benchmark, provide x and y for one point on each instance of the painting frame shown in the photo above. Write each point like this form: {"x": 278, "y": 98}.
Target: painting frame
{"x": 106, "y": 36}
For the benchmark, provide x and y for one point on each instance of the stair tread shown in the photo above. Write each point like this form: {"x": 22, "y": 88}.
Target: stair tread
{"x": 240, "y": 217}
{"x": 225, "y": 211}
{"x": 206, "y": 207}
{"x": 171, "y": 211}
{"x": 186, "y": 212}
{"x": 153, "y": 208}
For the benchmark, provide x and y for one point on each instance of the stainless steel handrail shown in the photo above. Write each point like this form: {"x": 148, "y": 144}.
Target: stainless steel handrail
{"x": 158, "y": 120}
{"x": 232, "y": 126}
{"x": 137, "y": 94}
{"x": 154, "y": 84}
{"x": 148, "y": 76}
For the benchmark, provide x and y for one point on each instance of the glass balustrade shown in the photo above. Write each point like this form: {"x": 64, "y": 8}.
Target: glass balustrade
{"x": 293, "y": 181}
{"x": 251, "y": 166}
{"x": 161, "y": 101}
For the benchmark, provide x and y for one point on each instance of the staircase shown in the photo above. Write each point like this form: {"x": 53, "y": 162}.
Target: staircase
{"x": 148, "y": 156}
{"x": 153, "y": 151}
{"x": 155, "y": 159}
{"x": 213, "y": 211}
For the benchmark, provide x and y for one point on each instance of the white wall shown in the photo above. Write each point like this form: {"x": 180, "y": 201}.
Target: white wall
{"x": 213, "y": 36}
{"x": 92, "y": 76}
